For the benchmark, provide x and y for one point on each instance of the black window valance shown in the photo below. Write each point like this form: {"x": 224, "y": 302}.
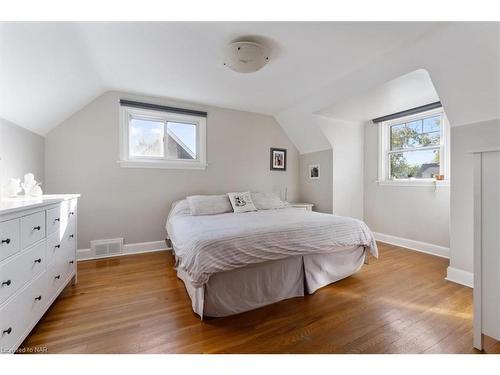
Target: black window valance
{"x": 163, "y": 108}
{"x": 412, "y": 111}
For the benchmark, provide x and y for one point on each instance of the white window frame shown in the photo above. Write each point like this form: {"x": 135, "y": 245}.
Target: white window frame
{"x": 384, "y": 151}
{"x": 128, "y": 161}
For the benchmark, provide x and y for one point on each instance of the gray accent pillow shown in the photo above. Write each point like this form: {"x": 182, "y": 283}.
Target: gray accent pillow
{"x": 241, "y": 202}
{"x": 180, "y": 208}
{"x": 267, "y": 201}
{"x": 209, "y": 204}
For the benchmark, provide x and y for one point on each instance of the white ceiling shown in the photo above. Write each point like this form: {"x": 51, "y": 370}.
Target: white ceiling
{"x": 50, "y": 70}
{"x": 408, "y": 91}
{"x": 461, "y": 58}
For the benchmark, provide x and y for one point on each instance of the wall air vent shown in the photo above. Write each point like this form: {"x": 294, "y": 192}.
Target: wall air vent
{"x": 106, "y": 248}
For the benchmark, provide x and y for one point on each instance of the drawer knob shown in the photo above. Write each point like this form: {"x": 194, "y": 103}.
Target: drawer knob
{"x": 72, "y": 213}
{"x": 7, "y": 241}
{"x": 8, "y": 282}
{"x": 57, "y": 277}
{"x": 71, "y": 236}
{"x": 57, "y": 246}
{"x": 71, "y": 261}
{"x": 57, "y": 219}
{"x": 37, "y": 227}
{"x": 8, "y": 331}
{"x": 39, "y": 260}
{"x": 39, "y": 298}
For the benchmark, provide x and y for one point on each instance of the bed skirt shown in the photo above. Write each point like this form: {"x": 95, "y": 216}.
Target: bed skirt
{"x": 236, "y": 291}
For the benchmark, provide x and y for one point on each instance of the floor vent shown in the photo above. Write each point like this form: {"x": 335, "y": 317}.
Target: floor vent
{"x": 104, "y": 248}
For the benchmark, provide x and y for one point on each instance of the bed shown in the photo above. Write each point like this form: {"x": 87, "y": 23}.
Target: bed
{"x": 235, "y": 262}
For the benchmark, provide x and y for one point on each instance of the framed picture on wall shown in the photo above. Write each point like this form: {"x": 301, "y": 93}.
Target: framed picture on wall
{"x": 278, "y": 159}
{"x": 314, "y": 171}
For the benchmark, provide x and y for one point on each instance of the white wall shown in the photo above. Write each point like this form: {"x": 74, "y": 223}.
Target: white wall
{"x": 346, "y": 139}
{"x": 410, "y": 212}
{"x": 465, "y": 139}
{"x": 21, "y": 151}
{"x": 82, "y": 154}
{"x": 317, "y": 191}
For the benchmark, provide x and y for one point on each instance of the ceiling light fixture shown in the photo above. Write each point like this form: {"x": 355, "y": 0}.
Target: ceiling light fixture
{"x": 246, "y": 57}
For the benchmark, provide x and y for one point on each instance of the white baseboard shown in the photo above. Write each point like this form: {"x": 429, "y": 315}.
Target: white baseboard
{"x": 423, "y": 247}
{"x": 84, "y": 254}
{"x": 133, "y": 248}
{"x": 460, "y": 276}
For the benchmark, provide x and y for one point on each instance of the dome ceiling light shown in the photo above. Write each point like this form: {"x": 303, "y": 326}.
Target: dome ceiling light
{"x": 246, "y": 57}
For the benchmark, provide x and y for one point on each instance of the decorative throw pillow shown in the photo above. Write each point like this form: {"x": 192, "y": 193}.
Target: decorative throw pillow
{"x": 209, "y": 204}
{"x": 267, "y": 201}
{"x": 241, "y": 202}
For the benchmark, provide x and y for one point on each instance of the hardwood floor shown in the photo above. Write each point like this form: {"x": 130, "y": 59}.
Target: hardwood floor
{"x": 135, "y": 304}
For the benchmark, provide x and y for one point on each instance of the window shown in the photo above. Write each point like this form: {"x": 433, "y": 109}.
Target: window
{"x": 413, "y": 150}
{"x": 152, "y": 138}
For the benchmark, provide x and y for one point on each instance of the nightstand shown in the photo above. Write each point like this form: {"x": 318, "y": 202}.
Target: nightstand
{"x": 304, "y": 206}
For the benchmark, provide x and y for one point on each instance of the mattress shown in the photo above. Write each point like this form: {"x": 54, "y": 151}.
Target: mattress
{"x": 211, "y": 244}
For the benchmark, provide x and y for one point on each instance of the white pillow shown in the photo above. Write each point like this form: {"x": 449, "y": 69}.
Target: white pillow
{"x": 267, "y": 201}
{"x": 180, "y": 208}
{"x": 241, "y": 202}
{"x": 209, "y": 204}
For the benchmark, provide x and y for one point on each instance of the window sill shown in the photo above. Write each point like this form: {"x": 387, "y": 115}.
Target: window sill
{"x": 415, "y": 183}
{"x": 162, "y": 164}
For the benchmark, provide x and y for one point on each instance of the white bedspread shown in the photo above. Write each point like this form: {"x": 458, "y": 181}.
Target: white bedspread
{"x": 205, "y": 245}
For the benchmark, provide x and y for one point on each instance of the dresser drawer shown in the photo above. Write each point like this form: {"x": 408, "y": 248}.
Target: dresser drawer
{"x": 9, "y": 238}
{"x": 19, "y": 314}
{"x": 72, "y": 205}
{"x": 70, "y": 263}
{"x": 54, "y": 247}
{"x": 54, "y": 220}
{"x": 56, "y": 276}
{"x": 32, "y": 228}
{"x": 69, "y": 237}
{"x": 20, "y": 269}
{"x": 38, "y": 297}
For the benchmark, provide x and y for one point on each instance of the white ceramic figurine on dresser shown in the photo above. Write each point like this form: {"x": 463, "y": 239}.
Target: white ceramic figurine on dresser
{"x": 36, "y": 191}
{"x": 37, "y": 260}
{"x": 30, "y": 186}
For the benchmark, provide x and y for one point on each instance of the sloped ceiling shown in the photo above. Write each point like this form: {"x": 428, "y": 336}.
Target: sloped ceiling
{"x": 408, "y": 91}
{"x": 48, "y": 71}
{"x": 462, "y": 60}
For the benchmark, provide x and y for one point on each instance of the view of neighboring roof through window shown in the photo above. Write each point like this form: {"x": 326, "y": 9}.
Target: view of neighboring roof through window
{"x": 184, "y": 136}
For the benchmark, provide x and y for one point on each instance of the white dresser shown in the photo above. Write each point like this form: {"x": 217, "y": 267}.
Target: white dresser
{"x": 486, "y": 246}
{"x": 37, "y": 260}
